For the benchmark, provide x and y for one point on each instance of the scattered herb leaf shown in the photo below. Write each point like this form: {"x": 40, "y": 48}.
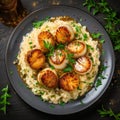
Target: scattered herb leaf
{"x": 60, "y": 46}
{"x": 70, "y": 58}
{"x": 85, "y": 37}
{"x": 52, "y": 106}
{"x": 49, "y": 47}
{"x": 112, "y": 21}
{"x": 52, "y": 67}
{"x": 4, "y": 99}
{"x": 96, "y": 35}
{"x": 39, "y": 23}
{"x": 103, "y": 113}
{"x": 68, "y": 68}
{"x": 100, "y": 76}
{"x": 61, "y": 103}
{"x": 90, "y": 47}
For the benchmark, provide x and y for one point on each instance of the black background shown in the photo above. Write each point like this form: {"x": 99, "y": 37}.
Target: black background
{"x": 20, "y": 110}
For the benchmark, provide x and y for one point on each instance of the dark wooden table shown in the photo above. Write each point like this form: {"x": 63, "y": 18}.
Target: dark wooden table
{"x": 20, "y": 110}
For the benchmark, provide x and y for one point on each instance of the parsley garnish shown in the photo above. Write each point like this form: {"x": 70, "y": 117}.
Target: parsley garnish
{"x": 61, "y": 103}
{"x": 52, "y": 106}
{"x": 4, "y": 99}
{"x": 77, "y": 28}
{"x": 100, "y": 76}
{"x": 60, "y": 46}
{"x": 52, "y": 67}
{"x": 39, "y": 23}
{"x": 85, "y": 37}
{"x": 90, "y": 47}
{"x": 103, "y": 112}
{"x": 96, "y": 35}
{"x": 49, "y": 47}
{"x": 111, "y": 19}
{"x": 102, "y": 41}
{"x": 68, "y": 68}
{"x": 70, "y": 58}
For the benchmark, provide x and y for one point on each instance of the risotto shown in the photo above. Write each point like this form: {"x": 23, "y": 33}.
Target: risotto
{"x": 58, "y": 60}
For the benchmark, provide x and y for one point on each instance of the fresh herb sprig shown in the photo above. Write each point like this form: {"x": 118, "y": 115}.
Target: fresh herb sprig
{"x": 103, "y": 113}
{"x": 49, "y": 47}
{"x": 38, "y": 24}
{"x": 100, "y": 76}
{"x": 111, "y": 20}
{"x": 4, "y": 99}
{"x": 70, "y": 58}
{"x": 68, "y": 68}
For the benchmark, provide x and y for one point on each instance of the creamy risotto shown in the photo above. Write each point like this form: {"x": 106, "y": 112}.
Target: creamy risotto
{"x": 58, "y": 59}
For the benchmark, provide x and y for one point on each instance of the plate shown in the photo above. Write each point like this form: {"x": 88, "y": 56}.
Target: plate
{"x": 26, "y": 26}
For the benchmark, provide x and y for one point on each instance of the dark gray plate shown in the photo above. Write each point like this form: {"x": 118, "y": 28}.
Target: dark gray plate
{"x": 13, "y": 47}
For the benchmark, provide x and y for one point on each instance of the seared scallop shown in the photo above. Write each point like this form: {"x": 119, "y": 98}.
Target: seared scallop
{"x": 83, "y": 65}
{"x": 48, "y": 77}
{"x": 45, "y": 38}
{"x": 69, "y": 81}
{"x": 58, "y": 59}
{"x": 77, "y": 48}
{"x": 64, "y": 34}
{"x": 35, "y": 59}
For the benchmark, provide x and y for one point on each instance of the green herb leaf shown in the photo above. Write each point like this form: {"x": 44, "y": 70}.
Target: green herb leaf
{"x": 96, "y": 35}
{"x": 100, "y": 76}
{"x": 4, "y": 99}
{"x": 85, "y": 37}
{"x": 102, "y": 41}
{"x": 103, "y": 113}
{"x": 61, "y": 103}
{"x": 49, "y": 47}
{"x": 111, "y": 19}
{"x": 70, "y": 58}
{"x": 68, "y": 68}
{"x": 90, "y": 47}
{"x": 52, "y": 67}
{"x": 38, "y": 24}
{"x": 60, "y": 46}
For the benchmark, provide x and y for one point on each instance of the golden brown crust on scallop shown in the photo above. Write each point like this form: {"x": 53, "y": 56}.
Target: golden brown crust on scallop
{"x": 35, "y": 59}
{"x": 69, "y": 81}
{"x": 63, "y": 35}
{"x": 49, "y": 79}
{"x": 77, "y": 48}
{"x": 45, "y": 36}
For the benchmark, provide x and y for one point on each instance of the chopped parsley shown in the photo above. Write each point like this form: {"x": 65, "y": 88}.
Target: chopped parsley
{"x": 60, "y": 46}
{"x": 52, "y": 106}
{"x": 77, "y": 28}
{"x": 90, "y": 47}
{"x": 62, "y": 103}
{"x": 85, "y": 37}
{"x": 96, "y": 35}
{"x": 38, "y": 24}
{"x": 70, "y": 58}
{"x": 49, "y": 47}
{"x": 30, "y": 43}
{"x": 52, "y": 67}
{"x": 68, "y": 68}
{"x": 100, "y": 76}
